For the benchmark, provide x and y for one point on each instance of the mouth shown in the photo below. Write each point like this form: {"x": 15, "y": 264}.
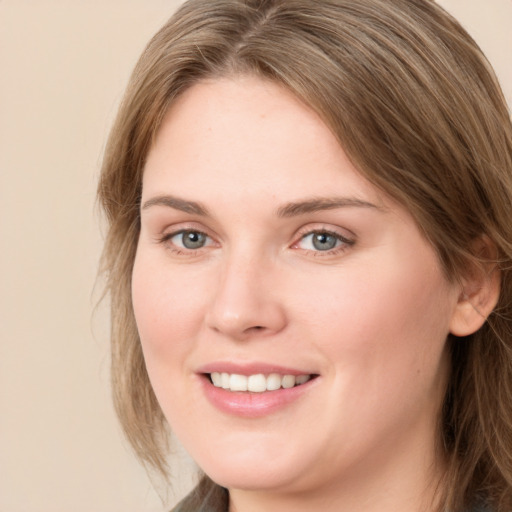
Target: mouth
{"x": 254, "y": 390}
{"x": 257, "y": 383}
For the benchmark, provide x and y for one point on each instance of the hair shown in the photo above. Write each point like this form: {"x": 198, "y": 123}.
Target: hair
{"x": 418, "y": 110}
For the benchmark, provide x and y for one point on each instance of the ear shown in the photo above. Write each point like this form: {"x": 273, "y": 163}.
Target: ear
{"x": 480, "y": 290}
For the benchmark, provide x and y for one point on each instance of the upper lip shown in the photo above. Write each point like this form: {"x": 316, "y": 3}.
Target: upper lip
{"x": 250, "y": 368}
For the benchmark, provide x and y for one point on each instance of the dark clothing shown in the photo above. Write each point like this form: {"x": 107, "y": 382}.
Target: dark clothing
{"x": 206, "y": 497}
{"x": 209, "y": 497}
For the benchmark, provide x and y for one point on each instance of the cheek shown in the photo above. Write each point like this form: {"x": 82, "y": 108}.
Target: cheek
{"x": 383, "y": 334}
{"x": 168, "y": 308}
{"x": 388, "y": 320}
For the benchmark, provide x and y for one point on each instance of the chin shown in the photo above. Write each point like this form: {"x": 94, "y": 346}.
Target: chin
{"x": 250, "y": 480}
{"x": 254, "y": 473}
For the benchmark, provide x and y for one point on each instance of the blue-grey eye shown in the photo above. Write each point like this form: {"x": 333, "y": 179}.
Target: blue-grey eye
{"x": 190, "y": 239}
{"x": 324, "y": 241}
{"x": 321, "y": 241}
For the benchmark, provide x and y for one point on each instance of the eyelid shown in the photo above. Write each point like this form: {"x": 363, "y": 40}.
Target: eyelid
{"x": 346, "y": 239}
{"x": 166, "y": 235}
{"x": 182, "y": 232}
{"x": 179, "y": 227}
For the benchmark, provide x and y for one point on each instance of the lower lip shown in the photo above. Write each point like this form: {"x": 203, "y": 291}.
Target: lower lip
{"x": 253, "y": 405}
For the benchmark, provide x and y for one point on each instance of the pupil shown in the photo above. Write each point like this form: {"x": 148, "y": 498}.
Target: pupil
{"x": 193, "y": 240}
{"x": 324, "y": 241}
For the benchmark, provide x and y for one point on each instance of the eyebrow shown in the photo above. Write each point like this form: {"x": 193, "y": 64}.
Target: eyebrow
{"x": 178, "y": 204}
{"x": 291, "y": 209}
{"x": 323, "y": 203}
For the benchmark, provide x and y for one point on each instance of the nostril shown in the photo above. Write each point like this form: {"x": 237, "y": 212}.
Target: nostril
{"x": 254, "y": 329}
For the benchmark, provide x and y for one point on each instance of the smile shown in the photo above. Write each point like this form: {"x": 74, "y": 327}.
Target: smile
{"x": 257, "y": 383}
{"x": 257, "y": 394}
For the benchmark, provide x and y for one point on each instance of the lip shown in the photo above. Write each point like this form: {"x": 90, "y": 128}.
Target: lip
{"x": 251, "y": 368}
{"x": 246, "y": 404}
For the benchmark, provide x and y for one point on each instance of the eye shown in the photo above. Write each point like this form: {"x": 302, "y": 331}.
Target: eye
{"x": 323, "y": 241}
{"x": 189, "y": 239}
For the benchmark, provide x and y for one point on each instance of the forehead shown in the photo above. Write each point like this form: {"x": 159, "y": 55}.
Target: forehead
{"x": 251, "y": 135}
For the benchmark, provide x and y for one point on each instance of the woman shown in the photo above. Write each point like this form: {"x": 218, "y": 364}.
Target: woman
{"x": 309, "y": 257}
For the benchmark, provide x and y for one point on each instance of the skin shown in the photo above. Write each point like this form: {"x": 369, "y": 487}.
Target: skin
{"x": 370, "y": 317}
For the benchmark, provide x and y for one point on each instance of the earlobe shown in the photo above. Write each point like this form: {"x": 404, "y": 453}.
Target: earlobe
{"x": 480, "y": 292}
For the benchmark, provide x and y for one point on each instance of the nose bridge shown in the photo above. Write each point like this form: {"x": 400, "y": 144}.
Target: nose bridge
{"x": 244, "y": 302}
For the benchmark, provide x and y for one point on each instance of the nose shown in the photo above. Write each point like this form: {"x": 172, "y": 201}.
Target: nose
{"x": 246, "y": 302}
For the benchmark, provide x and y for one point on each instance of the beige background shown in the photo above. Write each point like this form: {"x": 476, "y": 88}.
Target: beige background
{"x": 63, "y": 66}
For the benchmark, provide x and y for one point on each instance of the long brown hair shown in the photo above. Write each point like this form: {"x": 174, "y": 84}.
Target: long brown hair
{"x": 417, "y": 108}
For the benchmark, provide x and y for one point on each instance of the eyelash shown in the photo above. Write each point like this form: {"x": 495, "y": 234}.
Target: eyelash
{"x": 343, "y": 243}
{"x": 167, "y": 237}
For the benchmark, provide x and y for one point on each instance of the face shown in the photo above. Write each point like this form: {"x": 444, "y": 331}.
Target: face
{"x": 292, "y": 317}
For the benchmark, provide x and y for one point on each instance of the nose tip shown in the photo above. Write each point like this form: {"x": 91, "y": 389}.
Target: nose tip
{"x": 243, "y": 306}
{"x": 234, "y": 325}
{"x": 244, "y": 323}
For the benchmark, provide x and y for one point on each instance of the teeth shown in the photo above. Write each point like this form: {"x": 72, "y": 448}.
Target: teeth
{"x": 301, "y": 379}
{"x": 273, "y": 381}
{"x": 257, "y": 383}
{"x": 237, "y": 382}
{"x": 288, "y": 381}
{"x": 217, "y": 379}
